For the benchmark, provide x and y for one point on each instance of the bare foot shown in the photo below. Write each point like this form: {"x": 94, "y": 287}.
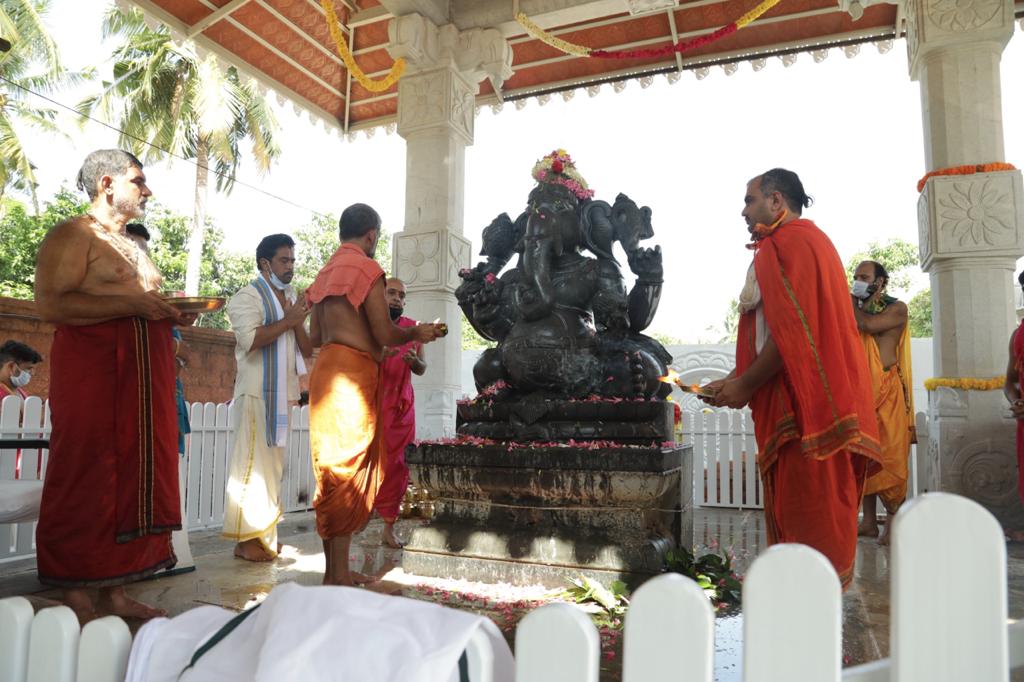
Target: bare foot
{"x": 883, "y": 539}
{"x": 116, "y": 602}
{"x": 80, "y": 602}
{"x": 868, "y": 528}
{"x": 353, "y": 579}
{"x": 252, "y": 550}
{"x": 389, "y": 539}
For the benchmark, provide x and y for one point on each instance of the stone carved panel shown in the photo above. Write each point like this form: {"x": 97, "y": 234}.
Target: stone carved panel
{"x": 418, "y": 259}
{"x": 938, "y": 24}
{"x": 476, "y": 53}
{"x": 924, "y": 229}
{"x": 981, "y": 214}
{"x": 987, "y": 471}
{"x": 435, "y": 99}
{"x": 430, "y": 260}
{"x": 458, "y": 258}
{"x": 959, "y": 16}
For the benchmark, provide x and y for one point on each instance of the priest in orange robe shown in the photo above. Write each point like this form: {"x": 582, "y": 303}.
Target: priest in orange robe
{"x": 882, "y": 321}
{"x": 800, "y": 365}
{"x": 351, "y": 323}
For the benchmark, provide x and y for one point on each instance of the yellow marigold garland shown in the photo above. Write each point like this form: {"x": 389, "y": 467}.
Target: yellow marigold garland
{"x": 551, "y": 40}
{"x": 966, "y": 383}
{"x": 334, "y": 26}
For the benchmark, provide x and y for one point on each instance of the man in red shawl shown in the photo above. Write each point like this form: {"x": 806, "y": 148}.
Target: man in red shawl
{"x": 1012, "y": 391}
{"x": 398, "y": 418}
{"x": 110, "y": 496}
{"x": 801, "y": 367}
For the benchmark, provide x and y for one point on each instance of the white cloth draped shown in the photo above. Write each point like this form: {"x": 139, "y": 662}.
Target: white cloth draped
{"x": 317, "y": 634}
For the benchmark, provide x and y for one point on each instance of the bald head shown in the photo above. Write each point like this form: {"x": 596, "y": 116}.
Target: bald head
{"x": 394, "y": 292}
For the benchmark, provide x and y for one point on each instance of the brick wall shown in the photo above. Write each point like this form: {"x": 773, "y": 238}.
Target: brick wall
{"x": 210, "y": 375}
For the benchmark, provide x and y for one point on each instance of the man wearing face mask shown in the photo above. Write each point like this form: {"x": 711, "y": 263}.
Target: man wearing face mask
{"x": 270, "y": 341}
{"x": 882, "y": 321}
{"x": 398, "y": 418}
{"x": 17, "y": 361}
{"x": 800, "y": 366}
{"x": 16, "y": 364}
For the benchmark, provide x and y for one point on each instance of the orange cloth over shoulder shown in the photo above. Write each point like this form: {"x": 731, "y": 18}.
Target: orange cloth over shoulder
{"x": 806, "y": 302}
{"x": 814, "y": 421}
{"x": 349, "y": 273}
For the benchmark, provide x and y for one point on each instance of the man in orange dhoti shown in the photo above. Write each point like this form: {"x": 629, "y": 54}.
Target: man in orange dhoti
{"x": 398, "y": 417}
{"x": 800, "y": 366}
{"x": 110, "y": 496}
{"x": 1012, "y": 391}
{"x": 350, "y": 322}
{"x": 882, "y": 321}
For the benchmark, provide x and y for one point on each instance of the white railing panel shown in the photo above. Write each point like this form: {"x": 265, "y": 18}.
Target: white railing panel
{"x": 669, "y": 633}
{"x": 223, "y": 441}
{"x": 480, "y": 657}
{"x": 53, "y": 646}
{"x": 103, "y": 650}
{"x": 206, "y": 475}
{"x": 28, "y": 419}
{"x": 193, "y": 464}
{"x": 557, "y": 643}
{"x": 948, "y": 608}
{"x": 15, "y": 630}
{"x": 792, "y": 617}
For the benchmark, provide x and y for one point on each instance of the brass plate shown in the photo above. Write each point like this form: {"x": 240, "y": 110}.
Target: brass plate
{"x": 196, "y": 304}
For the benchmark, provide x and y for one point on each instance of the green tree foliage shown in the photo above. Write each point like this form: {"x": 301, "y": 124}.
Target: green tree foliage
{"x": 899, "y": 257}
{"x": 223, "y": 272}
{"x": 32, "y": 64}
{"x": 471, "y": 340}
{"x": 166, "y": 99}
{"x": 664, "y": 339}
{"x": 21, "y": 233}
{"x": 920, "y": 312}
{"x": 317, "y": 241}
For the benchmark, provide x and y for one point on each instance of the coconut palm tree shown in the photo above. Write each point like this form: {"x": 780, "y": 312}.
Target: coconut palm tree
{"x": 31, "y": 64}
{"x": 167, "y": 100}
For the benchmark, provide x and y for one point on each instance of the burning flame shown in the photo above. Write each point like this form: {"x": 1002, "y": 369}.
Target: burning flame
{"x": 671, "y": 378}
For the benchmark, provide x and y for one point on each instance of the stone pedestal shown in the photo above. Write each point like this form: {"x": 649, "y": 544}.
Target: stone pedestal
{"x": 971, "y": 234}
{"x": 542, "y": 514}
{"x": 436, "y": 107}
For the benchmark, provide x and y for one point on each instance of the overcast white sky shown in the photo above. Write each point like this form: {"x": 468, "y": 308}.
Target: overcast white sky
{"x": 850, "y": 127}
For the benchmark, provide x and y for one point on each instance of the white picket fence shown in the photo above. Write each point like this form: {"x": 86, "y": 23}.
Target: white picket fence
{"x": 948, "y": 620}
{"x": 206, "y": 450}
{"x": 725, "y": 472}
{"x": 724, "y": 452}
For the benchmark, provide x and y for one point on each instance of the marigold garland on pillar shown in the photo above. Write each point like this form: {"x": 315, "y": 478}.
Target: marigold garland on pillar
{"x": 966, "y": 383}
{"x": 970, "y": 169}
{"x": 379, "y": 85}
{"x": 645, "y": 53}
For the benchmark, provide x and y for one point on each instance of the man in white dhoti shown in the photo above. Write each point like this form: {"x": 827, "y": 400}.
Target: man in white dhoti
{"x": 269, "y": 337}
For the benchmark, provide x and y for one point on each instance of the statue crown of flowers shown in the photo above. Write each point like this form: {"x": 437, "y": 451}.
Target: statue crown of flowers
{"x": 558, "y": 168}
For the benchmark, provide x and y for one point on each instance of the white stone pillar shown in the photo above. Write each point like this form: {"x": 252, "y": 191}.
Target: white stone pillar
{"x": 970, "y": 238}
{"x": 436, "y": 108}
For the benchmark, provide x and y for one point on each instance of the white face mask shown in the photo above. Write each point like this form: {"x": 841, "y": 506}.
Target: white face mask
{"x": 860, "y": 289}
{"x": 22, "y": 378}
{"x": 276, "y": 281}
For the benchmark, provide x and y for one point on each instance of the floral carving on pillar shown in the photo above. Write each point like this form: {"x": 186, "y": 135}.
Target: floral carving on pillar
{"x": 458, "y": 258}
{"x": 417, "y": 258}
{"x": 962, "y": 15}
{"x": 987, "y": 471}
{"x": 977, "y": 213}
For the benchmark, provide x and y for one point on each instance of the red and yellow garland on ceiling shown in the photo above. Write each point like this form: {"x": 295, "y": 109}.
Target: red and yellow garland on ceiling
{"x": 373, "y": 85}
{"x": 644, "y": 53}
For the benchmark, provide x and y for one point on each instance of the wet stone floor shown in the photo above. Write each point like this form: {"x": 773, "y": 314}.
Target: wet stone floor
{"x": 222, "y": 580}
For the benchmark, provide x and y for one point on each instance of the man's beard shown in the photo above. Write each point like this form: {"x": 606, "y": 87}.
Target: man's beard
{"x": 395, "y": 313}
{"x": 130, "y": 210}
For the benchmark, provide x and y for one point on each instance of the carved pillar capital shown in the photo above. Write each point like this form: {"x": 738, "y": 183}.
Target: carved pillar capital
{"x": 971, "y": 216}
{"x": 430, "y": 260}
{"x": 935, "y": 25}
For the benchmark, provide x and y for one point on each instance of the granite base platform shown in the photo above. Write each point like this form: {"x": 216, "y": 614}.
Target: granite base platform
{"x": 540, "y": 514}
